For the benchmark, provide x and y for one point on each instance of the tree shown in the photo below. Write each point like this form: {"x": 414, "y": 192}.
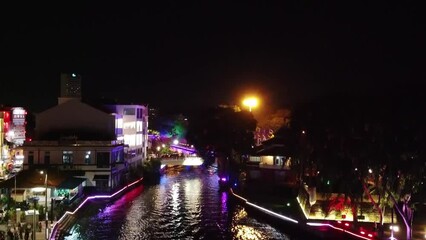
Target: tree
{"x": 222, "y": 133}
{"x": 396, "y": 143}
{"x": 275, "y": 120}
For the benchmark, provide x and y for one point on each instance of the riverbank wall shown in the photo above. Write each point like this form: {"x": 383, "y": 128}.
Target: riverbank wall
{"x": 293, "y": 227}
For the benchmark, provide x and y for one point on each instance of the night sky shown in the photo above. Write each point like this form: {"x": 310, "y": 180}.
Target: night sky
{"x": 173, "y": 54}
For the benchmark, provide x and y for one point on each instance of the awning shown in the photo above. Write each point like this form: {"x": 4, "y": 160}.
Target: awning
{"x": 71, "y": 183}
{"x": 100, "y": 177}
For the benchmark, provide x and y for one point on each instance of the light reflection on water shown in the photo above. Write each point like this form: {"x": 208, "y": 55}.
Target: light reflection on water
{"x": 185, "y": 205}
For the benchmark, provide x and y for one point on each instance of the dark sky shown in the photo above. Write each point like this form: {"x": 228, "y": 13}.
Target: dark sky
{"x": 179, "y": 53}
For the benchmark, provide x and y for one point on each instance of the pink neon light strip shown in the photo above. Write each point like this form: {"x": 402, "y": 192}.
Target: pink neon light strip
{"x": 87, "y": 199}
{"x": 337, "y": 228}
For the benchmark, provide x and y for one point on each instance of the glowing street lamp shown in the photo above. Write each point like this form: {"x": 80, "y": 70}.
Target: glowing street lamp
{"x": 250, "y": 102}
{"x": 45, "y": 204}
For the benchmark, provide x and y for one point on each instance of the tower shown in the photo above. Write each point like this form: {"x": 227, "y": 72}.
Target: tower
{"x": 70, "y": 87}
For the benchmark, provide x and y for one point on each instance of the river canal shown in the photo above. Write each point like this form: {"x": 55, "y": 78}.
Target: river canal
{"x": 186, "y": 204}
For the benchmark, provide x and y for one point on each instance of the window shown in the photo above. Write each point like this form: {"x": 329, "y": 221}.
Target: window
{"x": 119, "y": 126}
{"x": 88, "y": 157}
{"x": 118, "y": 131}
{"x": 119, "y": 122}
{"x": 278, "y": 161}
{"x": 139, "y": 126}
{"x": 129, "y": 125}
{"x": 129, "y": 111}
{"x": 102, "y": 159}
{"x": 139, "y": 138}
{"x": 67, "y": 157}
{"x": 118, "y": 156}
{"x": 47, "y": 158}
{"x": 30, "y": 157}
{"x": 130, "y": 139}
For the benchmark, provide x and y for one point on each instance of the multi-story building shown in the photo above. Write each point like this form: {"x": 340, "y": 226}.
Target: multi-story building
{"x": 133, "y": 130}
{"x": 76, "y": 136}
{"x": 104, "y": 141}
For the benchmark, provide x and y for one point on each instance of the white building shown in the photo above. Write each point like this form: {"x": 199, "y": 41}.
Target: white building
{"x": 77, "y": 136}
{"x": 134, "y": 126}
{"x": 103, "y": 141}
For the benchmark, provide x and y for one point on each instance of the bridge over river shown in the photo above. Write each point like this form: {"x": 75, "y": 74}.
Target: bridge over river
{"x": 184, "y": 161}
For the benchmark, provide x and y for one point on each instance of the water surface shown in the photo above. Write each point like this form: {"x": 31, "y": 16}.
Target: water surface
{"x": 186, "y": 204}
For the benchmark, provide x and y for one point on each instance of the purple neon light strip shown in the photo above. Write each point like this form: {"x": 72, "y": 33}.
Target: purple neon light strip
{"x": 337, "y": 228}
{"x": 90, "y": 198}
{"x": 191, "y": 150}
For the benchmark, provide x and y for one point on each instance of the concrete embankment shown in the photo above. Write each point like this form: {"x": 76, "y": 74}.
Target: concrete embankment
{"x": 296, "y": 228}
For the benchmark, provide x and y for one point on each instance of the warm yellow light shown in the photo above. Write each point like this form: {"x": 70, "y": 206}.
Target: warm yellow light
{"x": 395, "y": 228}
{"x": 38, "y": 189}
{"x": 250, "y": 103}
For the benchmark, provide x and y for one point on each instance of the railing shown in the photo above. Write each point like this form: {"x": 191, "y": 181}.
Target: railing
{"x": 66, "y": 219}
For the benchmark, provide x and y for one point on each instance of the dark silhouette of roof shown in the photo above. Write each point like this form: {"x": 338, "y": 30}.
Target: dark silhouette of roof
{"x": 71, "y": 182}
{"x": 33, "y": 178}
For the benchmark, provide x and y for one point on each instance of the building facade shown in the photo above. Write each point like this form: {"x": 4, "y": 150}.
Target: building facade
{"x": 132, "y": 129}
{"x": 76, "y": 136}
{"x": 102, "y": 162}
{"x": 103, "y": 141}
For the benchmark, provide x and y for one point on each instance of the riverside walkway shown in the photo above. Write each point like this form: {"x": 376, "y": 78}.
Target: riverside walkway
{"x": 282, "y": 210}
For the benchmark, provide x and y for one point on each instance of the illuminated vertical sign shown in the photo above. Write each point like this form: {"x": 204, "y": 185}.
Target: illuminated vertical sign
{"x": 1, "y": 139}
{"x": 18, "y": 116}
{"x": 17, "y": 130}
{"x": 1, "y": 131}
